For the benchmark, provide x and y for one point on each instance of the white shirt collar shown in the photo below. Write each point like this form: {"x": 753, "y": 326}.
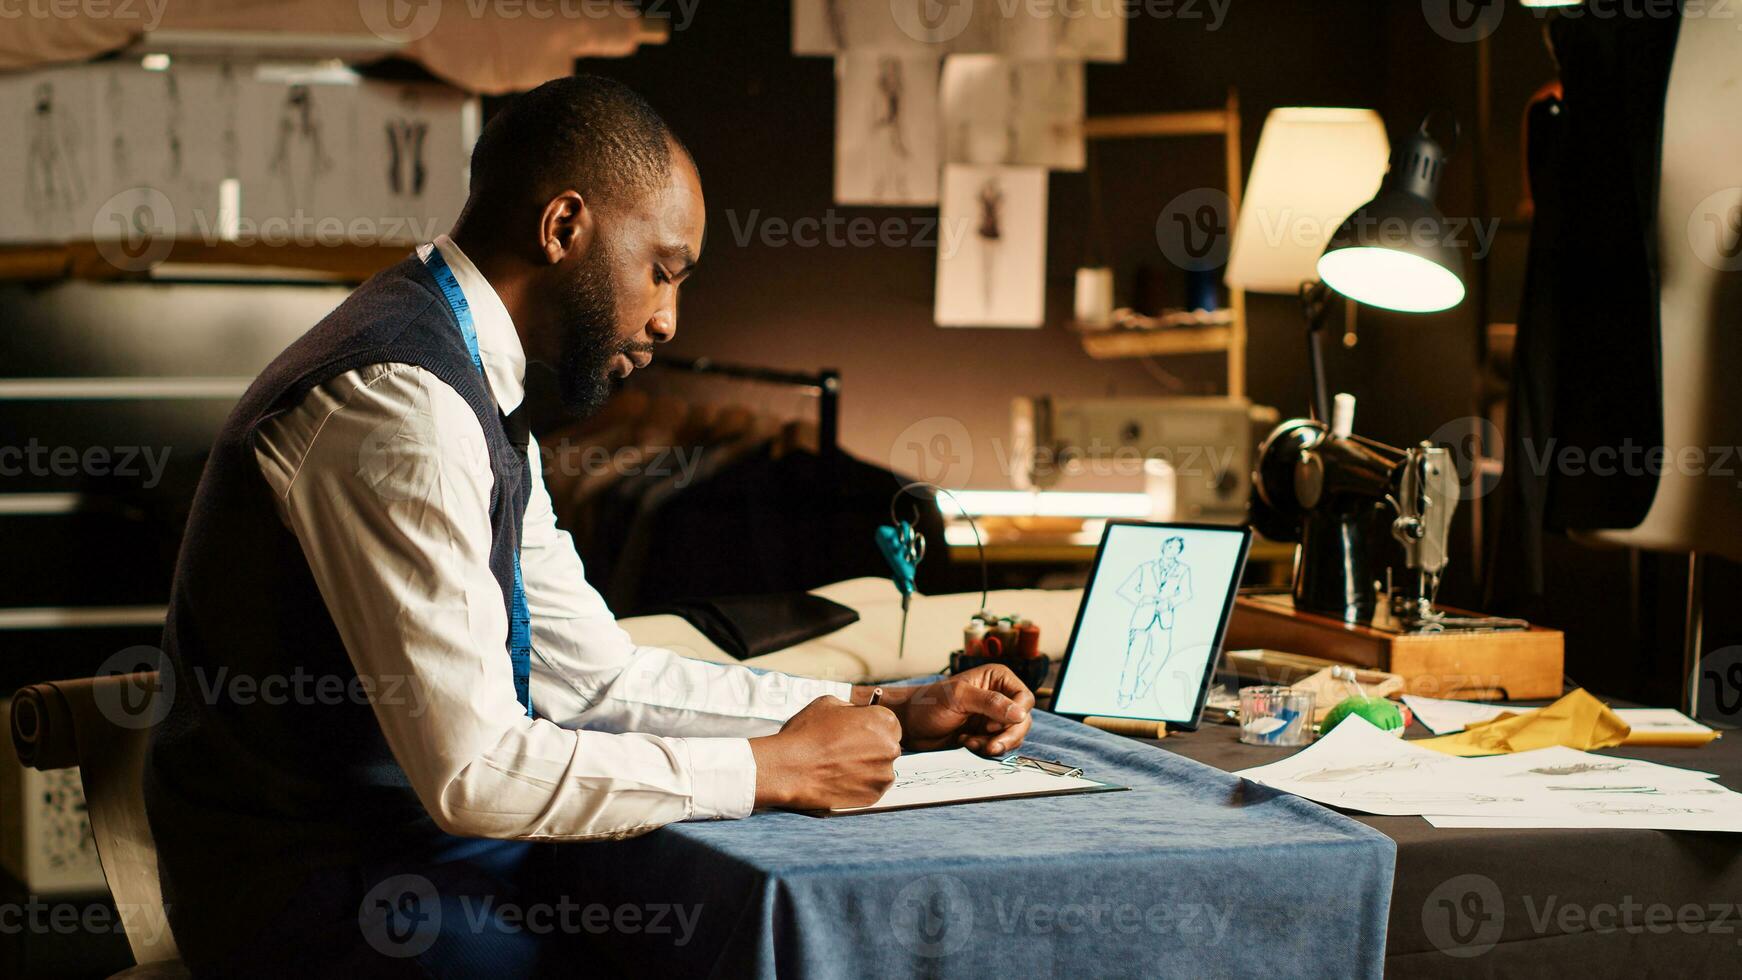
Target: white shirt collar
{"x": 498, "y": 342}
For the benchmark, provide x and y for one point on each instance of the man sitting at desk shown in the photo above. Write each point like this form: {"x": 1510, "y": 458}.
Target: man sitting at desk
{"x": 389, "y": 667}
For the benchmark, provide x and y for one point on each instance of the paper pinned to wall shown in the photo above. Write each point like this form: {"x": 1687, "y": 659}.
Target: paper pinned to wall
{"x": 991, "y": 247}
{"x": 48, "y": 155}
{"x": 411, "y": 162}
{"x": 998, "y": 110}
{"x": 886, "y": 130}
{"x": 1085, "y": 31}
{"x": 299, "y": 140}
{"x": 1080, "y": 31}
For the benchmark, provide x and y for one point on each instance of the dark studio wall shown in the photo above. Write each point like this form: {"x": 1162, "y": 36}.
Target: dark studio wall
{"x": 760, "y": 122}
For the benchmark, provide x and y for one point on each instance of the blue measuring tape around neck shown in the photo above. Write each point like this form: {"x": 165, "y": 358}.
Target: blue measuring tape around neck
{"x": 519, "y": 617}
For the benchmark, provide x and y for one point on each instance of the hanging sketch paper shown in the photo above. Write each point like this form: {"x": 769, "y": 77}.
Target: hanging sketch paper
{"x": 992, "y": 247}
{"x": 886, "y": 130}
{"x": 299, "y": 149}
{"x": 1081, "y": 31}
{"x": 1001, "y": 111}
{"x": 47, "y": 155}
{"x": 900, "y": 27}
{"x": 1084, "y": 31}
{"x": 960, "y": 776}
{"x": 414, "y": 141}
{"x": 169, "y": 139}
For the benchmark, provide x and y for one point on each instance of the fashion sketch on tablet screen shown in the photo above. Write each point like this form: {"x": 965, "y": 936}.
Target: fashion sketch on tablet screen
{"x": 1155, "y": 589}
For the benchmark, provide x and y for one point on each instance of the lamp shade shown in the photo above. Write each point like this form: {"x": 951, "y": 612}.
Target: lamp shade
{"x": 1395, "y": 251}
{"x": 1313, "y": 167}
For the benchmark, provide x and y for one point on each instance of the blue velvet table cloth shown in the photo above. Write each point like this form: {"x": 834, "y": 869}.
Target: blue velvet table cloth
{"x": 1192, "y": 873}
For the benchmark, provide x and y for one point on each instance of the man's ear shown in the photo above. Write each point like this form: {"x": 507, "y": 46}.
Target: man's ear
{"x": 565, "y": 229}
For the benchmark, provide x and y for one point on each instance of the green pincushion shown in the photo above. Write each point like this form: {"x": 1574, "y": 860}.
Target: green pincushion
{"x": 1382, "y": 713}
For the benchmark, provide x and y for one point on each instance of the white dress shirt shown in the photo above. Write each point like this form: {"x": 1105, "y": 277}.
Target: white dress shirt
{"x": 383, "y": 475}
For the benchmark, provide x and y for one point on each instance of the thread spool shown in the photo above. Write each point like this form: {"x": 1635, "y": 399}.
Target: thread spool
{"x": 1094, "y": 298}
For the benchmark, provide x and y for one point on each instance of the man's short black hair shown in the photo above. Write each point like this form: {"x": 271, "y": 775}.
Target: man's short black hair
{"x": 586, "y": 133}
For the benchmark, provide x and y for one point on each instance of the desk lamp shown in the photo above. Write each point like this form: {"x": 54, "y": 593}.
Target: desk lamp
{"x": 1316, "y": 482}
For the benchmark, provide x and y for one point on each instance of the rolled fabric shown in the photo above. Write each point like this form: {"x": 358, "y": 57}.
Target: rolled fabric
{"x": 44, "y": 731}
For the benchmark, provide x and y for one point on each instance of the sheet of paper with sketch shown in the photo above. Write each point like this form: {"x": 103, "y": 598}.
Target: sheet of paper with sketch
{"x": 925, "y": 779}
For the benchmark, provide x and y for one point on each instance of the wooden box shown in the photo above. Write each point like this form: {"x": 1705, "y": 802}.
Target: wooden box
{"x": 1501, "y": 665}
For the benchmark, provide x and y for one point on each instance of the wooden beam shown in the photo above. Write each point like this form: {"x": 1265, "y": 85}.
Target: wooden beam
{"x": 1201, "y": 122}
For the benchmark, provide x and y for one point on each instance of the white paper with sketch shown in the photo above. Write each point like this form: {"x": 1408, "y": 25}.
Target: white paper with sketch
{"x": 991, "y": 247}
{"x": 1443, "y": 717}
{"x": 959, "y": 776}
{"x": 996, "y": 110}
{"x": 1355, "y": 759}
{"x": 1660, "y": 721}
{"x": 1358, "y": 767}
{"x": 886, "y": 130}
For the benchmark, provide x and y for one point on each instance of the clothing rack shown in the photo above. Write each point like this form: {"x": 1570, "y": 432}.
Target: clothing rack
{"x": 826, "y": 383}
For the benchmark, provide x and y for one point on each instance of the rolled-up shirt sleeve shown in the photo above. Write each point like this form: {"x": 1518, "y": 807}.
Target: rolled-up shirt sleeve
{"x": 383, "y": 476}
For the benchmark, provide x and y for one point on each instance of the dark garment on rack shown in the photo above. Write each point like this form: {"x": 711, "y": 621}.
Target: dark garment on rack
{"x": 767, "y": 524}
{"x": 1588, "y": 365}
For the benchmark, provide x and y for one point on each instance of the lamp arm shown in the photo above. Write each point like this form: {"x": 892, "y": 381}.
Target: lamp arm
{"x": 1315, "y": 304}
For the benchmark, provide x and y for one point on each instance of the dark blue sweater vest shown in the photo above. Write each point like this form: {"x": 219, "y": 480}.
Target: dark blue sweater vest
{"x": 270, "y": 770}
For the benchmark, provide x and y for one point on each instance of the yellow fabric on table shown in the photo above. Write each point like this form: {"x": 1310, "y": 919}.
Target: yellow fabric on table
{"x": 1577, "y": 721}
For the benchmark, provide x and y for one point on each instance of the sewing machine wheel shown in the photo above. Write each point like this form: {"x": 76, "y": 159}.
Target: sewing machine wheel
{"x": 1275, "y": 510}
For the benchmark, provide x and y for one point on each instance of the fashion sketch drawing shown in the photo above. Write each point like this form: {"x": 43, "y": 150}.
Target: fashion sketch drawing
{"x": 299, "y": 157}
{"x": 1156, "y": 589}
{"x": 54, "y": 183}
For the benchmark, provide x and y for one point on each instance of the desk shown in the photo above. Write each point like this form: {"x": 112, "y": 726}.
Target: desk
{"x": 1189, "y": 873}
{"x": 1549, "y": 902}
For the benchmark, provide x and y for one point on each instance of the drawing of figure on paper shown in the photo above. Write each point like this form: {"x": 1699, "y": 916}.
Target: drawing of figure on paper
{"x": 1423, "y": 798}
{"x": 116, "y": 100}
{"x": 947, "y": 777}
{"x": 299, "y": 158}
{"x": 1575, "y": 769}
{"x": 990, "y": 230}
{"x": 1616, "y": 808}
{"x": 1342, "y": 774}
{"x": 230, "y": 102}
{"x": 1642, "y": 790}
{"x": 837, "y": 21}
{"x": 53, "y": 185}
{"x": 886, "y": 122}
{"x": 172, "y": 125}
{"x": 405, "y": 136}
{"x": 1156, "y": 589}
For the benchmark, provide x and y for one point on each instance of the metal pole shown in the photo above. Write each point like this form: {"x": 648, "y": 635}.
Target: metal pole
{"x": 1696, "y": 616}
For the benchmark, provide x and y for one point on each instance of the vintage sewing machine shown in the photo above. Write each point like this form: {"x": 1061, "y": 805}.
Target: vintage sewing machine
{"x": 1373, "y": 524}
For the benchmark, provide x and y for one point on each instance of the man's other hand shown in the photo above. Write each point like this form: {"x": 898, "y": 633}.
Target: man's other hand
{"x": 988, "y": 709}
{"x": 831, "y": 754}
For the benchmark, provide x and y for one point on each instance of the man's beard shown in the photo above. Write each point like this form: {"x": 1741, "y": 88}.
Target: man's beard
{"x": 590, "y": 341}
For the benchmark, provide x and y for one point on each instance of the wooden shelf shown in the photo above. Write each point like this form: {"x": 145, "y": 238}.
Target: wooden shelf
{"x": 1229, "y": 340}
{"x": 83, "y": 260}
{"x": 1109, "y": 344}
